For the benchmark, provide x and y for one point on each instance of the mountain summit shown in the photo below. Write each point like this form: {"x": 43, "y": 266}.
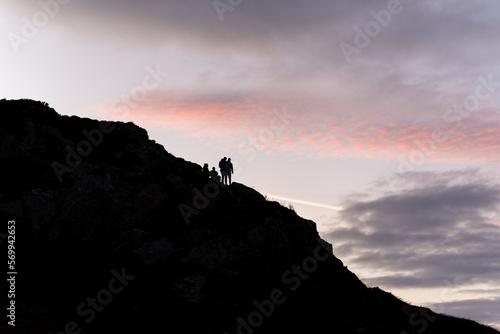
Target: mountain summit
{"x": 115, "y": 234}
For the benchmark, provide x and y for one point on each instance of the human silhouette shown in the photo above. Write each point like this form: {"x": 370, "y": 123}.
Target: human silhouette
{"x": 214, "y": 175}
{"x": 223, "y": 170}
{"x": 206, "y": 172}
{"x": 229, "y": 169}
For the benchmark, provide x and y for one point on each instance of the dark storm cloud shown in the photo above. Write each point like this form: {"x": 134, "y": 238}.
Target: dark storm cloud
{"x": 440, "y": 227}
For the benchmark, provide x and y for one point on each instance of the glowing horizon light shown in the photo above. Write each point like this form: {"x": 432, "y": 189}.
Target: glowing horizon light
{"x": 294, "y": 200}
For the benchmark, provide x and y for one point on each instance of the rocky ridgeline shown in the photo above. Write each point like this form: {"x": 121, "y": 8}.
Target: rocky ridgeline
{"x": 114, "y": 234}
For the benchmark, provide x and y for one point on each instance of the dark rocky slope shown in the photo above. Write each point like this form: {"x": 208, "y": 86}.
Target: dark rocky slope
{"x": 126, "y": 238}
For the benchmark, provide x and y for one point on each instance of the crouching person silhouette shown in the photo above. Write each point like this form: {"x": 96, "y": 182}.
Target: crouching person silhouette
{"x": 214, "y": 175}
{"x": 206, "y": 171}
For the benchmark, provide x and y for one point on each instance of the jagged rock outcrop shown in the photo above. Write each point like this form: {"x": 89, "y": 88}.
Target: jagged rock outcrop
{"x": 114, "y": 234}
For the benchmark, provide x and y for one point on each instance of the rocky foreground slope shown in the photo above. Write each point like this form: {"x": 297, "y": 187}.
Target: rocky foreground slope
{"x": 116, "y": 235}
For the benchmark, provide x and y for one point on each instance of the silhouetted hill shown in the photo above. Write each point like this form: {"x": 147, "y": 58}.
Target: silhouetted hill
{"x": 116, "y": 235}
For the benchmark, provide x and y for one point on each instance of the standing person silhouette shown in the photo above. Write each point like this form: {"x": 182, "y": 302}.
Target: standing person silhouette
{"x": 223, "y": 170}
{"x": 229, "y": 169}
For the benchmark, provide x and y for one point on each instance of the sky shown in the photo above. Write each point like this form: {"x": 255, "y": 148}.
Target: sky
{"x": 379, "y": 120}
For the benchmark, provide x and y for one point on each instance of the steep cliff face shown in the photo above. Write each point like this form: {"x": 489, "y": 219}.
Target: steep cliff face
{"x": 114, "y": 234}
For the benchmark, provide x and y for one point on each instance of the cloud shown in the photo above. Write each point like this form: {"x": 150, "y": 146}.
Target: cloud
{"x": 227, "y": 115}
{"x": 481, "y": 310}
{"x": 431, "y": 227}
{"x": 427, "y": 230}
{"x": 440, "y": 227}
{"x": 320, "y": 127}
{"x": 390, "y": 102}
{"x": 270, "y": 54}
{"x": 427, "y": 46}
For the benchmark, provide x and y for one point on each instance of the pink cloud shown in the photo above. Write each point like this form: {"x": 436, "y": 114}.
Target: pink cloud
{"x": 199, "y": 115}
{"x": 317, "y": 129}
